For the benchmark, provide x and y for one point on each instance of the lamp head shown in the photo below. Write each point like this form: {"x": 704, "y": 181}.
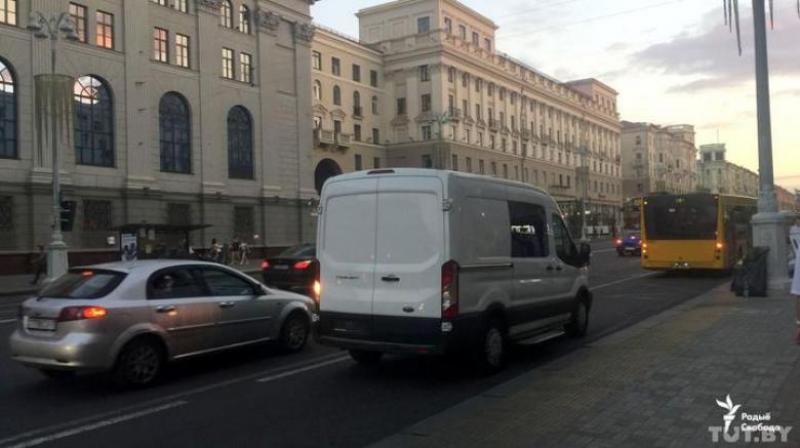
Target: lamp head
{"x": 35, "y": 24}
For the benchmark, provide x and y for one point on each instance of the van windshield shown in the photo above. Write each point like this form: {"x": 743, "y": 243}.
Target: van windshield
{"x": 83, "y": 284}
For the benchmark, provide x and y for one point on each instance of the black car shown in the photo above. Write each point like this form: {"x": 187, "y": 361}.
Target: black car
{"x": 292, "y": 270}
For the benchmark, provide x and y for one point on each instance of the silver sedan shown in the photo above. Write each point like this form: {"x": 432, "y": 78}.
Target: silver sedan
{"x": 131, "y": 318}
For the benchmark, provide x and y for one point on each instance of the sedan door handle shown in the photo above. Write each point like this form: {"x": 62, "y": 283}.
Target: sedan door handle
{"x": 391, "y": 278}
{"x": 165, "y": 309}
{"x": 226, "y": 304}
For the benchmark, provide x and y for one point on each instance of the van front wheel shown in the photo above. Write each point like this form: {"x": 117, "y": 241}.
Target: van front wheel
{"x": 365, "y": 356}
{"x": 579, "y": 322}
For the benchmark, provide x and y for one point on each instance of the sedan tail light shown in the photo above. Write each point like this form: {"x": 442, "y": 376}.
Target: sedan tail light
{"x": 71, "y": 313}
{"x": 264, "y": 265}
{"x": 301, "y": 265}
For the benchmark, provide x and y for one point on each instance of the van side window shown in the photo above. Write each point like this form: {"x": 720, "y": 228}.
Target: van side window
{"x": 565, "y": 248}
{"x": 528, "y": 230}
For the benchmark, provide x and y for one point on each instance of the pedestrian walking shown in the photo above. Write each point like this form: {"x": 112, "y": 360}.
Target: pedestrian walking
{"x": 794, "y": 237}
{"x": 40, "y": 264}
{"x": 243, "y": 250}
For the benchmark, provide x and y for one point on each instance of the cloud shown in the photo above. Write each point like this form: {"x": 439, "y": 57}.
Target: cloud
{"x": 712, "y": 55}
{"x": 618, "y": 47}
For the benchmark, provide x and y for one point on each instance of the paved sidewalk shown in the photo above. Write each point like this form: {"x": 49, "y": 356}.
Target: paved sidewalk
{"x": 652, "y": 385}
{"x": 19, "y": 285}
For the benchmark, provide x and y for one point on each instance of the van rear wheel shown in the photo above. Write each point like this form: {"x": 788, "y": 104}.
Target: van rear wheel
{"x": 491, "y": 354}
{"x": 366, "y": 357}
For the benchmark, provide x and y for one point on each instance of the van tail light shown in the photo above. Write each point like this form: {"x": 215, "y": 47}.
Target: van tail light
{"x": 449, "y": 290}
{"x": 316, "y": 289}
{"x": 264, "y": 265}
{"x": 619, "y": 242}
{"x": 71, "y": 313}
{"x": 301, "y": 265}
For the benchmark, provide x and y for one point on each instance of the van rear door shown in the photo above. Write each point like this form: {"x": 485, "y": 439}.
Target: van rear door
{"x": 410, "y": 249}
{"x": 346, "y": 251}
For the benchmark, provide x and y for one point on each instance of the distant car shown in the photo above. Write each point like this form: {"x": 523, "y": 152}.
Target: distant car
{"x": 630, "y": 242}
{"x": 130, "y": 318}
{"x": 292, "y": 270}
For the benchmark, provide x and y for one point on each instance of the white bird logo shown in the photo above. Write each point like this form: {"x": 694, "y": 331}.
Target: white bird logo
{"x": 728, "y": 404}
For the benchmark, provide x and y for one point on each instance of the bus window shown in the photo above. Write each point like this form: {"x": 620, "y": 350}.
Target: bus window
{"x": 691, "y": 217}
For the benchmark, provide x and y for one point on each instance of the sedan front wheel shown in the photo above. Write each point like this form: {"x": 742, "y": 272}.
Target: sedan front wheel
{"x": 294, "y": 333}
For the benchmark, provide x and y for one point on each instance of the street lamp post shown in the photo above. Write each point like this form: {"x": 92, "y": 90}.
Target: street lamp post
{"x": 441, "y": 120}
{"x": 56, "y": 27}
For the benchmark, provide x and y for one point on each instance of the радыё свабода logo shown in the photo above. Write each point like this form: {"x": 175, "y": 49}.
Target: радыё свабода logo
{"x": 755, "y": 428}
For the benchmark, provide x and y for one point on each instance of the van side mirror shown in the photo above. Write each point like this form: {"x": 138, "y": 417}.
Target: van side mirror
{"x": 585, "y": 254}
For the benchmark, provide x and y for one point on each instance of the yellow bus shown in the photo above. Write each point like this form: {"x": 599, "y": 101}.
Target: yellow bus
{"x": 695, "y": 231}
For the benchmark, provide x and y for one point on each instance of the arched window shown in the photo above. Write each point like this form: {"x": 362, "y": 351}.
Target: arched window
{"x": 357, "y": 104}
{"x": 374, "y": 104}
{"x": 94, "y": 118}
{"x": 337, "y": 96}
{"x": 317, "y": 90}
{"x": 226, "y": 14}
{"x": 175, "y": 136}
{"x": 244, "y": 19}
{"x": 240, "y": 143}
{"x": 8, "y": 112}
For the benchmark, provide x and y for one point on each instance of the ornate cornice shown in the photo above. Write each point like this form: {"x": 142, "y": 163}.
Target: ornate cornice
{"x": 267, "y": 21}
{"x": 210, "y": 6}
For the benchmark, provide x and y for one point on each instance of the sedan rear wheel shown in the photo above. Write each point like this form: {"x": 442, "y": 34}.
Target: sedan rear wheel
{"x": 294, "y": 333}
{"x": 139, "y": 364}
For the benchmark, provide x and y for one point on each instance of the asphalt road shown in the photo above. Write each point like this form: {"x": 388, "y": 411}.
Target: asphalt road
{"x": 256, "y": 397}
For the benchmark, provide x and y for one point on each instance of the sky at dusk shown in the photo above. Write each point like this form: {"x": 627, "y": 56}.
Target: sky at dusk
{"x": 673, "y": 62}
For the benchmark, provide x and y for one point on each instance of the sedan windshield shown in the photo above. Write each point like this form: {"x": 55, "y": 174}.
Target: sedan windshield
{"x": 83, "y": 284}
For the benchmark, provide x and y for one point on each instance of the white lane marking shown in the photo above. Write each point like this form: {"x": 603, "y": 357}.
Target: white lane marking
{"x": 169, "y": 398}
{"x": 8, "y": 321}
{"x": 617, "y": 282}
{"x": 278, "y": 376}
{"x": 97, "y": 425}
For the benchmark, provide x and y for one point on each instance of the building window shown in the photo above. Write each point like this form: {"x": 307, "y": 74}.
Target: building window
{"x": 174, "y": 128}
{"x": 6, "y": 213}
{"x": 356, "y": 73}
{"x": 401, "y": 106}
{"x": 240, "y": 143}
{"x": 337, "y": 96}
{"x": 359, "y": 164}
{"x": 244, "y": 224}
{"x": 78, "y": 15}
{"x": 316, "y": 60}
{"x": 448, "y": 25}
{"x": 317, "y": 90}
{"x": 423, "y": 24}
{"x": 8, "y": 112}
{"x": 97, "y": 215}
{"x": 451, "y": 75}
{"x": 376, "y": 162}
{"x": 227, "y": 63}
{"x": 94, "y": 129}
{"x": 427, "y": 162}
{"x": 481, "y": 167}
{"x": 373, "y": 78}
{"x": 424, "y": 73}
{"x": 244, "y": 19}
{"x": 465, "y": 80}
{"x": 357, "y": 132}
{"x": 246, "y": 67}
{"x": 455, "y": 162}
{"x": 426, "y": 133}
{"x": 336, "y": 66}
{"x": 494, "y": 168}
{"x": 226, "y": 14}
{"x": 478, "y": 84}
{"x": 376, "y": 136}
{"x": 426, "y": 102}
{"x": 476, "y": 39}
{"x": 105, "y": 29}
{"x": 468, "y": 162}
{"x": 462, "y": 31}
{"x": 8, "y": 12}
{"x": 182, "y": 50}
{"x": 182, "y": 5}
{"x": 161, "y": 45}
{"x": 487, "y": 43}
{"x": 374, "y": 104}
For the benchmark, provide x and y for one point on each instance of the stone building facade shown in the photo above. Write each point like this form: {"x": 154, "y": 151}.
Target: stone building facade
{"x": 186, "y": 111}
{"x": 658, "y": 159}
{"x": 718, "y": 175}
{"x": 448, "y": 99}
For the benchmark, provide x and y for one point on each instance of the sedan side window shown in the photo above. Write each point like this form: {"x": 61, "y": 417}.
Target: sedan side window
{"x": 174, "y": 284}
{"x": 221, "y": 283}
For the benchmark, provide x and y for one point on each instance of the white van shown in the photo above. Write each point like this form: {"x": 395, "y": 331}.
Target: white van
{"x": 426, "y": 261}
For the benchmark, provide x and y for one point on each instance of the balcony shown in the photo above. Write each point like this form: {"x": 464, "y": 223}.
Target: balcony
{"x": 342, "y": 140}
{"x": 324, "y": 137}
{"x": 494, "y": 125}
{"x": 560, "y": 190}
{"x": 358, "y": 112}
{"x": 480, "y": 122}
{"x": 454, "y": 114}
{"x": 525, "y": 133}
